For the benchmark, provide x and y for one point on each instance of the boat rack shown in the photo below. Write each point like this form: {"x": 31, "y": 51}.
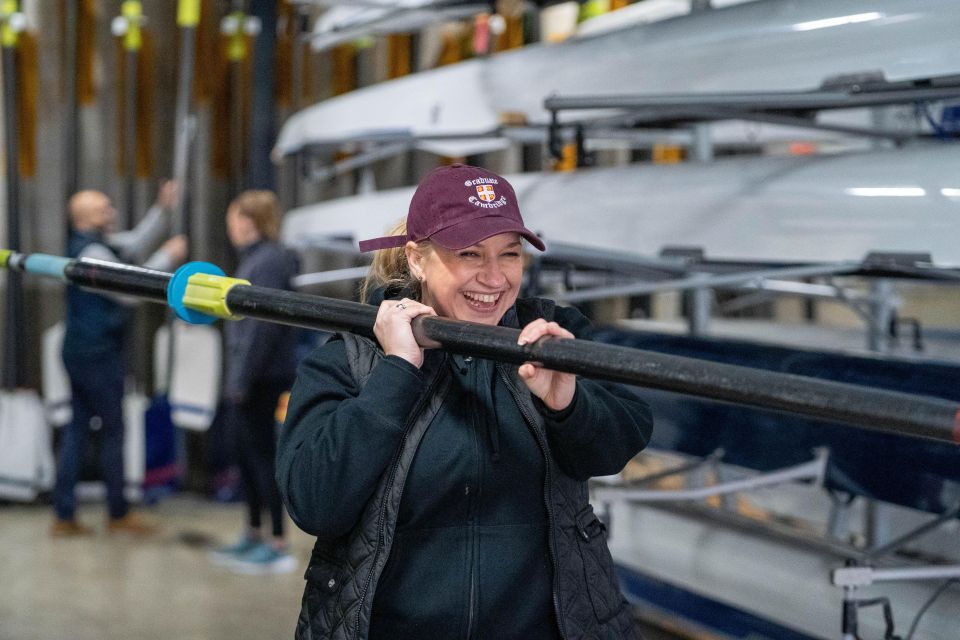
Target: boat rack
{"x": 785, "y": 108}
{"x": 859, "y": 571}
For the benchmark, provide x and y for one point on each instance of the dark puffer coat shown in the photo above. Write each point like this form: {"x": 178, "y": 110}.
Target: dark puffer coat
{"x": 351, "y": 469}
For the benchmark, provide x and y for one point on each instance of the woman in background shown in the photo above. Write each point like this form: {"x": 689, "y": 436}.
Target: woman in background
{"x": 260, "y": 367}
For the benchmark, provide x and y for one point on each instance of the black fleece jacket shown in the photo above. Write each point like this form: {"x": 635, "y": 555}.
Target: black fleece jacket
{"x": 470, "y": 557}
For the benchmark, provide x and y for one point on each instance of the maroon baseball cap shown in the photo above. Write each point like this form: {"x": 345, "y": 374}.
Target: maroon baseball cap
{"x": 458, "y": 206}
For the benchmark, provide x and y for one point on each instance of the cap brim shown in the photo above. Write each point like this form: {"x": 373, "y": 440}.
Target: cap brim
{"x": 385, "y": 242}
{"x": 470, "y": 232}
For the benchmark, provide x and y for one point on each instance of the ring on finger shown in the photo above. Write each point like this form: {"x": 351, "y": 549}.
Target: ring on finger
{"x": 401, "y": 306}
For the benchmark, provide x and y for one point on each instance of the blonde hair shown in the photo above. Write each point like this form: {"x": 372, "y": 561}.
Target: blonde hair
{"x": 390, "y": 268}
{"x": 263, "y": 208}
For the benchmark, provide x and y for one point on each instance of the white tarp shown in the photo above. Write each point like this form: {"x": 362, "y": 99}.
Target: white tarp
{"x": 26, "y": 457}
{"x": 197, "y": 364}
{"x": 55, "y": 384}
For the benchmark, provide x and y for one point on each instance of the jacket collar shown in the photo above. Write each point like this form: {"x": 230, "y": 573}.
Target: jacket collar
{"x": 250, "y": 249}
{"x": 90, "y": 234}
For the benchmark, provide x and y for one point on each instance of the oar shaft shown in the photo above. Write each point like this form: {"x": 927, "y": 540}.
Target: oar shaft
{"x": 13, "y": 294}
{"x": 302, "y": 310}
{"x": 188, "y": 15}
{"x": 119, "y": 278}
{"x": 866, "y": 407}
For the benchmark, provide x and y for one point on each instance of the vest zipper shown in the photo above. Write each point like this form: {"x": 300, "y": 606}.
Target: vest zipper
{"x": 547, "y": 484}
{"x": 473, "y": 579}
{"x": 393, "y": 476}
{"x": 472, "y": 504}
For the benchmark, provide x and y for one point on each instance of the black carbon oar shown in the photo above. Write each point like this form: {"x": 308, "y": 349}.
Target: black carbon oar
{"x": 131, "y": 20}
{"x": 13, "y": 331}
{"x": 195, "y": 289}
{"x": 188, "y": 17}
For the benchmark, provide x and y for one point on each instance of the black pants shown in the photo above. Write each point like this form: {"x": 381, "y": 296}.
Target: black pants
{"x": 96, "y": 385}
{"x": 255, "y": 440}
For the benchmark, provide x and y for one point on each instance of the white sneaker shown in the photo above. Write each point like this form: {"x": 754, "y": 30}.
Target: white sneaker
{"x": 225, "y": 555}
{"x": 264, "y": 559}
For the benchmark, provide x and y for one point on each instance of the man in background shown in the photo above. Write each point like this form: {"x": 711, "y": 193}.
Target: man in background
{"x": 94, "y": 350}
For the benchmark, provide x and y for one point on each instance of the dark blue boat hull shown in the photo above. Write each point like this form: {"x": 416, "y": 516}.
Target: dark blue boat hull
{"x": 902, "y": 470}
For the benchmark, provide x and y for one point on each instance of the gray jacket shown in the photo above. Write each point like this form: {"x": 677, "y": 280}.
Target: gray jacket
{"x": 255, "y": 349}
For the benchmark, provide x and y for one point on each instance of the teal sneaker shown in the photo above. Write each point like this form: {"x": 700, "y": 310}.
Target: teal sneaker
{"x": 223, "y": 556}
{"x": 263, "y": 559}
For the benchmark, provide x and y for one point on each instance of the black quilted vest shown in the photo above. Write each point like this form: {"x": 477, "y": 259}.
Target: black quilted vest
{"x": 96, "y": 324}
{"x": 343, "y": 574}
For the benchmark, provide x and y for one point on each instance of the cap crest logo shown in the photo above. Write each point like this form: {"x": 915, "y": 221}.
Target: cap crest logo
{"x": 485, "y": 192}
{"x": 486, "y": 197}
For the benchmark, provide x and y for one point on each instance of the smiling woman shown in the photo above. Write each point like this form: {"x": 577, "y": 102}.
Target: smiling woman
{"x": 478, "y": 283}
{"x": 448, "y": 494}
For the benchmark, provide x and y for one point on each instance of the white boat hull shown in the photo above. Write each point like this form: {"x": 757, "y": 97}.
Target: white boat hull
{"x": 779, "y": 584}
{"x": 759, "y": 46}
{"x": 811, "y": 209}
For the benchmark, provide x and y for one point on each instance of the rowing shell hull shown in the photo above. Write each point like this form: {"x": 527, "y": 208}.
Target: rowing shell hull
{"x": 694, "y": 572}
{"x": 760, "y": 46}
{"x": 810, "y": 209}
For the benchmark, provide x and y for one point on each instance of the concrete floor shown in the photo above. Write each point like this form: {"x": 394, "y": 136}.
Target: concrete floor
{"x": 111, "y": 587}
{"x": 114, "y": 587}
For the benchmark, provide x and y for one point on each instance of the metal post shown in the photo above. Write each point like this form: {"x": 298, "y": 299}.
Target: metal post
{"x": 13, "y": 336}
{"x": 301, "y": 26}
{"x": 292, "y": 165}
{"x": 131, "y": 13}
{"x": 291, "y": 181}
{"x": 236, "y": 54}
{"x": 263, "y": 109}
{"x": 884, "y": 119}
{"x": 71, "y": 129}
{"x": 188, "y": 15}
{"x": 130, "y": 141}
{"x": 849, "y": 626}
{"x": 702, "y": 143}
{"x": 869, "y": 523}
{"x": 881, "y": 311}
{"x": 699, "y": 302}
{"x": 838, "y": 521}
